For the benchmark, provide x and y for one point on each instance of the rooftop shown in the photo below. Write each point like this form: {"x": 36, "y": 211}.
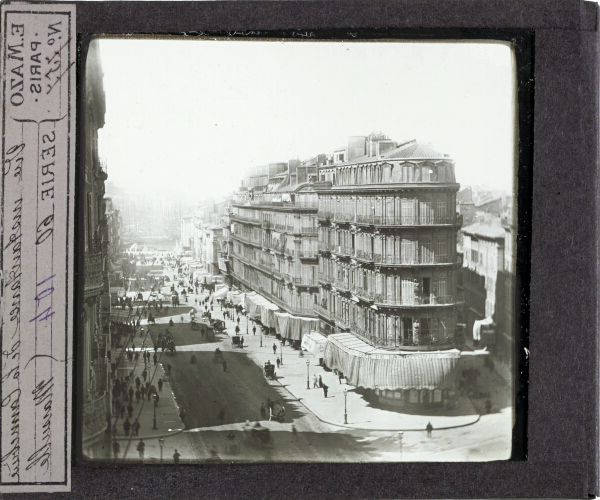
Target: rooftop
{"x": 485, "y": 230}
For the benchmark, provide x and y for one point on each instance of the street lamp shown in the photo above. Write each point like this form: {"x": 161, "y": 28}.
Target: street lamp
{"x": 261, "y": 329}
{"x": 307, "y": 374}
{"x": 345, "y": 406}
{"x": 247, "y": 320}
{"x": 161, "y": 443}
{"x": 154, "y": 427}
{"x": 281, "y": 350}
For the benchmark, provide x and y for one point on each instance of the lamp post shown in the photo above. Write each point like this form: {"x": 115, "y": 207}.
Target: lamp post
{"x": 345, "y": 406}
{"x": 307, "y": 374}
{"x": 161, "y": 443}
{"x": 247, "y": 321}
{"x": 154, "y": 421}
{"x": 261, "y": 336}
{"x": 281, "y": 350}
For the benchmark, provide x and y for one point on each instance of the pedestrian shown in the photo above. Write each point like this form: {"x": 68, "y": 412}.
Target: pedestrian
{"x": 315, "y": 382}
{"x": 320, "y": 381}
{"x": 140, "y": 448}
{"x": 224, "y": 365}
{"x": 155, "y": 359}
{"x": 340, "y": 376}
{"x": 149, "y": 393}
{"x": 137, "y": 382}
{"x": 242, "y": 342}
{"x": 274, "y": 348}
{"x": 145, "y": 373}
{"x": 169, "y": 368}
{"x": 238, "y": 320}
{"x": 116, "y": 448}
{"x": 131, "y": 394}
{"x": 130, "y": 410}
{"x": 278, "y": 362}
{"x": 176, "y": 457}
{"x": 127, "y": 426}
{"x": 429, "y": 428}
{"x": 263, "y": 410}
{"x": 122, "y": 411}
{"x": 160, "y": 384}
{"x": 138, "y": 395}
{"x": 325, "y": 390}
{"x": 136, "y": 428}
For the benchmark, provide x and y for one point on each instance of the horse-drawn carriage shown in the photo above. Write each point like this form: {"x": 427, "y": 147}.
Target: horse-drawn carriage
{"x": 236, "y": 341}
{"x": 269, "y": 370}
{"x": 218, "y": 325}
{"x": 151, "y": 319}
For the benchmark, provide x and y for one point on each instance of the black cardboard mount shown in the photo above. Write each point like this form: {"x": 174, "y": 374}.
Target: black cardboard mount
{"x": 557, "y": 42}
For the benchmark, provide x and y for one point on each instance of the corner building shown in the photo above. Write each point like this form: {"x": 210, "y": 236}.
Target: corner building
{"x": 388, "y": 262}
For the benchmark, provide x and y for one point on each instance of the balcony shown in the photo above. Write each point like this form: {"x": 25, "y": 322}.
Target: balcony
{"x": 324, "y": 215}
{"x": 245, "y": 219}
{"x": 432, "y": 300}
{"x": 343, "y": 250}
{"x": 323, "y": 312}
{"x": 94, "y": 276}
{"x": 326, "y": 247}
{"x": 308, "y": 255}
{"x": 341, "y": 284}
{"x": 309, "y": 230}
{"x": 343, "y": 217}
{"x": 405, "y": 220}
{"x": 94, "y": 418}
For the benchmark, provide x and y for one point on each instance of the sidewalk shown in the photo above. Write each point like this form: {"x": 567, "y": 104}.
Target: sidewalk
{"x": 292, "y": 375}
{"x": 168, "y": 422}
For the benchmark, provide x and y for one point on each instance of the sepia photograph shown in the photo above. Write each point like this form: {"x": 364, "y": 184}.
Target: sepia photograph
{"x": 297, "y": 250}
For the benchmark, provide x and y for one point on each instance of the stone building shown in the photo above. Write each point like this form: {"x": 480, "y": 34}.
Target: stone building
{"x": 95, "y": 312}
{"x": 388, "y": 269}
{"x": 273, "y": 235}
{"x": 387, "y": 241}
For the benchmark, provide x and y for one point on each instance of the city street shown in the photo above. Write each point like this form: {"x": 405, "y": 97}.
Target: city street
{"x": 219, "y": 403}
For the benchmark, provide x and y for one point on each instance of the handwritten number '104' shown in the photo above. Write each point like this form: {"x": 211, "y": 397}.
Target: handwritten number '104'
{"x": 43, "y": 234}
{"x": 46, "y": 313}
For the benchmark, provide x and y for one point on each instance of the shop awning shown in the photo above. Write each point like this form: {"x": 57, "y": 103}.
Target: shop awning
{"x": 260, "y": 309}
{"x": 222, "y": 293}
{"x": 370, "y": 367}
{"x": 314, "y": 342}
{"x": 294, "y": 327}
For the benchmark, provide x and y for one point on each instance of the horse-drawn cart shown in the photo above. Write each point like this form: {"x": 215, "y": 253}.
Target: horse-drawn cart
{"x": 269, "y": 371}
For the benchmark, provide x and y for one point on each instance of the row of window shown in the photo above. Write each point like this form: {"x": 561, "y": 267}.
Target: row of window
{"x": 385, "y": 329}
{"x": 424, "y": 249}
{"x": 391, "y": 173}
{"x": 437, "y": 287}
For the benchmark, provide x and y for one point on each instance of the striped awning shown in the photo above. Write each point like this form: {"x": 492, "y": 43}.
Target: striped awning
{"x": 370, "y": 367}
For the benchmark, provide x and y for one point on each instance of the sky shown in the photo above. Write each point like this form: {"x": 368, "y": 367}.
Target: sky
{"x": 188, "y": 115}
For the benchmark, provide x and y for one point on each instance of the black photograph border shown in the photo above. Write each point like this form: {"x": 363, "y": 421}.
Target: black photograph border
{"x": 557, "y": 392}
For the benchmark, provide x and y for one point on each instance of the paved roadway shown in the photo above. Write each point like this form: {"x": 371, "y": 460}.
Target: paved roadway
{"x": 219, "y": 403}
